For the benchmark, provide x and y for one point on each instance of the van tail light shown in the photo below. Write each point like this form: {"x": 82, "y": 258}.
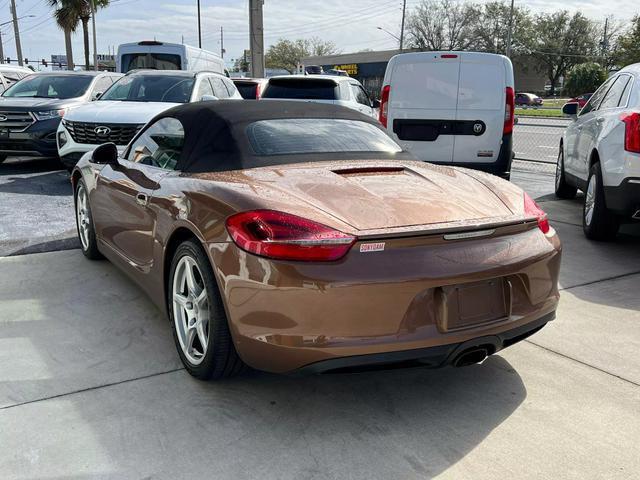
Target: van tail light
{"x": 509, "y": 111}
{"x": 282, "y": 236}
{"x": 384, "y": 104}
{"x": 531, "y": 208}
{"x": 631, "y": 131}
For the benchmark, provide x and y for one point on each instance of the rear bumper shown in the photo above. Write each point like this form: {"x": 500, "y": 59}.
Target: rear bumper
{"x": 38, "y": 140}
{"x": 285, "y": 316}
{"x": 624, "y": 199}
{"x": 433, "y": 357}
{"x": 502, "y": 165}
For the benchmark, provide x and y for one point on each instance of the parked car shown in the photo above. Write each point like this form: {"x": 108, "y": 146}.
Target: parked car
{"x": 155, "y": 55}
{"x": 11, "y": 74}
{"x": 272, "y": 239}
{"x": 31, "y": 109}
{"x": 600, "y": 155}
{"x": 528, "y": 100}
{"x": 581, "y": 100}
{"x": 250, "y": 88}
{"x": 451, "y": 108}
{"x": 134, "y": 100}
{"x": 336, "y": 90}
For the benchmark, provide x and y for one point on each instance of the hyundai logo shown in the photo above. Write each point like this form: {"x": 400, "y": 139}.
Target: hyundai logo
{"x": 102, "y": 131}
{"x": 3, "y": 118}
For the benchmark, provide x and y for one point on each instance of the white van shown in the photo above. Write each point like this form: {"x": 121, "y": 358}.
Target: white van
{"x": 453, "y": 108}
{"x": 166, "y": 56}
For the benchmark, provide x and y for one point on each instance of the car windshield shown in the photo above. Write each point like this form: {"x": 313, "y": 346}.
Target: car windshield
{"x": 150, "y": 61}
{"x": 317, "y": 135}
{"x": 303, "y": 89}
{"x": 151, "y": 88}
{"x": 50, "y": 86}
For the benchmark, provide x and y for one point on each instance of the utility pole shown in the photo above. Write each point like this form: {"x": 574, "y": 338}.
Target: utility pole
{"x": 95, "y": 41}
{"x": 256, "y": 35}
{"x": 199, "y": 28}
{"x": 605, "y": 42}
{"x": 404, "y": 11}
{"x": 16, "y": 31}
{"x": 510, "y": 31}
{"x": 1, "y": 48}
{"x": 222, "y": 42}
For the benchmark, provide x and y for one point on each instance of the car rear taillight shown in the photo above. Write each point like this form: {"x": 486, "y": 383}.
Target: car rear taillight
{"x": 384, "y": 104}
{"x": 509, "y": 110}
{"x": 533, "y": 209}
{"x": 282, "y": 236}
{"x": 631, "y": 131}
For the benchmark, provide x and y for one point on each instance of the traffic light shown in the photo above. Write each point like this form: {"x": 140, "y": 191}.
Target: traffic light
{"x": 44, "y": 62}
{"x": 8, "y": 59}
{"x": 26, "y": 61}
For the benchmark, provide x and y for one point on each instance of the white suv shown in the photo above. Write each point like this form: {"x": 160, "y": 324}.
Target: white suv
{"x": 337, "y": 90}
{"x": 130, "y": 103}
{"x": 600, "y": 155}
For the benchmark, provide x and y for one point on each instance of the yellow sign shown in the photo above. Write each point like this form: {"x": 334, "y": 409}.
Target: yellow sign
{"x": 350, "y": 68}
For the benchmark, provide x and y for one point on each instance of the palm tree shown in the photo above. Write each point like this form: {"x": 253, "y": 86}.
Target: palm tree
{"x": 67, "y": 19}
{"x": 78, "y": 11}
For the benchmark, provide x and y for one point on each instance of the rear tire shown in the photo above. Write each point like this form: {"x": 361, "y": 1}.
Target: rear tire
{"x": 563, "y": 189}
{"x": 198, "y": 319}
{"x": 598, "y": 223}
{"x": 84, "y": 223}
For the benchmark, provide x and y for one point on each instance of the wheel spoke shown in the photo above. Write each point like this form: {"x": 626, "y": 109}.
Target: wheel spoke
{"x": 188, "y": 341}
{"x": 191, "y": 280}
{"x": 202, "y": 336}
{"x": 201, "y": 299}
{"x": 179, "y": 299}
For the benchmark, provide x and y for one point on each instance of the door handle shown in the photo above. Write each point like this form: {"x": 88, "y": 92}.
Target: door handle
{"x": 142, "y": 199}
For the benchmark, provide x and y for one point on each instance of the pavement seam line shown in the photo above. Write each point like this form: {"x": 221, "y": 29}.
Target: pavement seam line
{"x": 88, "y": 389}
{"x": 584, "y": 363}
{"x": 593, "y": 282}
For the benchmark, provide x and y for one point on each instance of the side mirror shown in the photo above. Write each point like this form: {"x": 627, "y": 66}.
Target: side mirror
{"x": 105, "y": 154}
{"x": 570, "y": 109}
{"x": 206, "y": 98}
{"x": 375, "y": 103}
{"x": 97, "y": 95}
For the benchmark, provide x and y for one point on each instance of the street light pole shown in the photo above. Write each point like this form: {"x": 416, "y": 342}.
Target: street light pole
{"x": 510, "y": 32}
{"x": 199, "y": 28}
{"x": 404, "y": 11}
{"x": 95, "y": 41}
{"x": 16, "y": 31}
{"x": 1, "y": 48}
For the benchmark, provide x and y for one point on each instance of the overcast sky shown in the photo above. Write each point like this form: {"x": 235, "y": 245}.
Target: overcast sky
{"x": 351, "y": 24}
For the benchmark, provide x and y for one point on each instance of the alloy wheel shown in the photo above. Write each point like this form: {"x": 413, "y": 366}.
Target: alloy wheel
{"x": 590, "y": 200}
{"x": 82, "y": 217}
{"x": 190, "y": 310}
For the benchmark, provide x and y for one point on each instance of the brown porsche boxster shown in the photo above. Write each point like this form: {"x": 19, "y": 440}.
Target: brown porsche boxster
{"x": 300, "y": 237}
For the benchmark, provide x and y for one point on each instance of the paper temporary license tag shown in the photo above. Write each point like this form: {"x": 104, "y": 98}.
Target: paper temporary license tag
{"x": 372, "y": 247}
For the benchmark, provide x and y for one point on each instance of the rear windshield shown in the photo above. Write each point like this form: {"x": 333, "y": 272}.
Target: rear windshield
{"x": 317, "y": 135}
{"x": 50, "y": 86}
{"x": 151, "y": 88}
{"x": 247, "y": 90}
{"x": 303, "y": 89}
{"x": 150, "y": 61}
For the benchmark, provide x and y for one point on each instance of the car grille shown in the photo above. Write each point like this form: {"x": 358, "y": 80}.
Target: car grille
{"x": 15, "y": 121}
{"x": 120, "y": 134}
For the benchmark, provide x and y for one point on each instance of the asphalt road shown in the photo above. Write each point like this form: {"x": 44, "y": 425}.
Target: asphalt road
{"x": 538, "y": 138}
{"x": 91, "y": 385}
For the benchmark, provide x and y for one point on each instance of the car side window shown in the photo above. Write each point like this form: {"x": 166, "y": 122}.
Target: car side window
{"x": 594, "y": 101}
{"x": 612, "y": 98}
{"x": 624, "y": 98}
{"x": 160, "y": 145}
{"x": 204, "y": 88}
{"x": 231, "y": 88}
{"x": 360, "y": 95}
{"x": 219, "y": 89}
{"x": 101, "y": 86}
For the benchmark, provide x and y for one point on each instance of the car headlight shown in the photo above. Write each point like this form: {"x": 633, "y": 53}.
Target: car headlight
{"x": 49, "y": 114}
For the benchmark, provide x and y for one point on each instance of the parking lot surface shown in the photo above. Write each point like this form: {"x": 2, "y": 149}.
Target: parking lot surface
{"x": 91, "y": 385}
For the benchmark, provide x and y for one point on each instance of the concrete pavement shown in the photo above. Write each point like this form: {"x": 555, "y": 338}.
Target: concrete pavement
{"x": 91, "y": 387}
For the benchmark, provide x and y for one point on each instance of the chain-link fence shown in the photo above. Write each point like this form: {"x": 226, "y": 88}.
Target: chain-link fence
{"x": 538, "y": 139}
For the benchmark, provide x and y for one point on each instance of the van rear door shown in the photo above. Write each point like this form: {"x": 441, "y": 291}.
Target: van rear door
{"x": 422, "y": 104}
{"x": 481, "y": 108}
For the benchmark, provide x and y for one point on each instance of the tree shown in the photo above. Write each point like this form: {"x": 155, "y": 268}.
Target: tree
{"x": 628, "y": 45}
{"x": 563, "y": 41}
{"x": 68, "y": 21}
{"x": 84, "y": 13}
{"x": 287, "y": 54}
{"x": 490, "y": 29}
{"x": 584, "y": 78}
{"x": 442, "y": 25}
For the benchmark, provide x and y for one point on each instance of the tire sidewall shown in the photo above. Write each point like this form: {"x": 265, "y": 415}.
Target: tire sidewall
{"x": 604, "y": 224}
{"x": 92, "y": 249}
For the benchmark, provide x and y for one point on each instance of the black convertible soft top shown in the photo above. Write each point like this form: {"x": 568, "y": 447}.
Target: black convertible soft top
{"x": 216, "y": 133}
